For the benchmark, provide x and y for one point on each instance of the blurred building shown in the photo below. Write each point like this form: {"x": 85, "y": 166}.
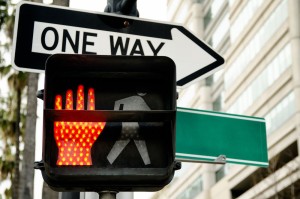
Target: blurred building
{"x": 260, "y": 41}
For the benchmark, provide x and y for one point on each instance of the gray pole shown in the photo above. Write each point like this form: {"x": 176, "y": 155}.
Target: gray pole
{"x": 107, "y": 195}
{"x": 124, "y": 7}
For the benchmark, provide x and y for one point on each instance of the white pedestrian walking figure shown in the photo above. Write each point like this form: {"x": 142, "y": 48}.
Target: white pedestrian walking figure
{"x": 130, "y": 130}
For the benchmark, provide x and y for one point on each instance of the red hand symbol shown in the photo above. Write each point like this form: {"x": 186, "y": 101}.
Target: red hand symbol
{"x": 75, "y": 139}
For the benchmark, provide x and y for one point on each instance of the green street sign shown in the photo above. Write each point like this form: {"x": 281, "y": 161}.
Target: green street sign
{"x": 206, "y": 136}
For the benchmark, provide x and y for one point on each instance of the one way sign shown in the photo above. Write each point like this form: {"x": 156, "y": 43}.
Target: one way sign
{"x": 42, "y": 30}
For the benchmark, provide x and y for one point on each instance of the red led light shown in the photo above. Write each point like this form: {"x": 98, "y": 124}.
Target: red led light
{"x": 75, "y": 139}
{"x": 91, "y": 99}
{"x": 69, "y": 100}
{"x": 58, "y": 102}
{"x": 80, "y": 98}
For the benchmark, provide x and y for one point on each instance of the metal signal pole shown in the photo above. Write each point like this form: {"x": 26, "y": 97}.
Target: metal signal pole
{"x": 123, "y": 7}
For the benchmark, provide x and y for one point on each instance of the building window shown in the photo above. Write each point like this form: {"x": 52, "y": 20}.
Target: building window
{"x": 216, "y": 6}
{"x": 220, "y": 31}
{"x": 183, "y": 11}
{"x": 267, "y": 30}
{"x": 267, "y": 77}
{"x": 270, "y": 176}
{"x": 244, "y": 17}
{"x": 213, "y": 11}
{"x": 217, "y": 75}
{"x": 187, "y": 95}
{"x": 280, "y": 113}
{"x": 193, "y": 190}
{"x": 207, "y": 18}
{"x": 231, "y": 2}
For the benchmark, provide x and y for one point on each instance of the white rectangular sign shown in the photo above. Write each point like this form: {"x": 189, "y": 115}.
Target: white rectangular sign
{"x": 42, "y": 30}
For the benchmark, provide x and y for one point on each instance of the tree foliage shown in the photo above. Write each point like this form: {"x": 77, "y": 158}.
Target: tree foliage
{"x": 3, "y": 12}
{"x": 12, "y": 111}
{"x": 12, "y": 124}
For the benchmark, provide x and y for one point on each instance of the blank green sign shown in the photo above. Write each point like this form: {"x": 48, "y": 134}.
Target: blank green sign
{"x": 205, "y": 135}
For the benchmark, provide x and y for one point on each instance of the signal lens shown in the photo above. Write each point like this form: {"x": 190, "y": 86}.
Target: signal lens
{"x": 75, "y": 139}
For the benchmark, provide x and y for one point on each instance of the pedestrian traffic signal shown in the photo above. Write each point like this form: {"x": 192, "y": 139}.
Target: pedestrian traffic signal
{"x": 109, "y": 123}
